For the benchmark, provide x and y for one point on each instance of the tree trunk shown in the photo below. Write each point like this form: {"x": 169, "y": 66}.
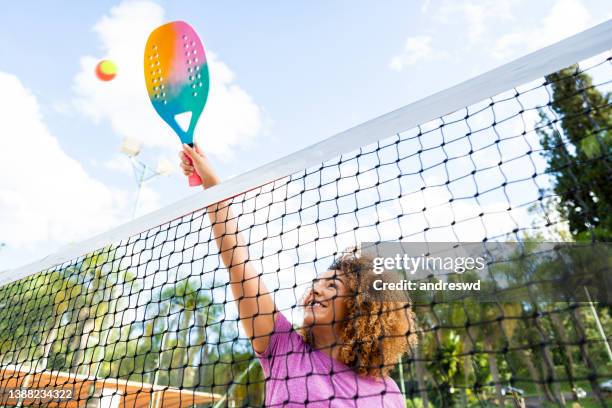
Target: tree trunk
{"x": 543, "y": 391}
{"x": 549, "y": 367}
{"x": 190, "y": 349}
{"x": 79, "y": 338}
{"x": 568, "y": 362}
{"x": 202, "y": 351}
{"x": 103, "y": 340}
{"x": 88, "y": 329}
{"x": 468, "y": 367}
{"x": 586, "y": 357}
{"x": 203, "y": 367}
{"x": 49, "y": 341}
{"x": 420, "y": 371}
{"x": 493, "y": 368}
{"x": 184, "y": 320}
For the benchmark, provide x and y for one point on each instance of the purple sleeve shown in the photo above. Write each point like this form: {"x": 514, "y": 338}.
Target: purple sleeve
{"x": 279, "y": 342}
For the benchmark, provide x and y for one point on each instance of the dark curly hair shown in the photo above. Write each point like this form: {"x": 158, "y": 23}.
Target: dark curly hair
{"x": 379, "y": 327}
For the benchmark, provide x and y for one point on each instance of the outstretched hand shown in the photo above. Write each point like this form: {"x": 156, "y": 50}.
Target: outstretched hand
{"x": 193, "y": 160}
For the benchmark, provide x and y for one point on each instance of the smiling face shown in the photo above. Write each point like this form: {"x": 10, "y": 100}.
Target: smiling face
{"x": 325, "y": 303}
{"x": 339, "y": 311}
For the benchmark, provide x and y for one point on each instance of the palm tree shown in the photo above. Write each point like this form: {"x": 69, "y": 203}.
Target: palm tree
{"x": 186, "y": 333}
{"x": 519, "y": 272}
{"x": 61, "y": 289}
{"x": 105, "y": 332}
{"x": 97, "y": 281}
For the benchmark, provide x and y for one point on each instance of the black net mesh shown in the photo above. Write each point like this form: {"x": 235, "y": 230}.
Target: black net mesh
{"x": 153, "y": 320}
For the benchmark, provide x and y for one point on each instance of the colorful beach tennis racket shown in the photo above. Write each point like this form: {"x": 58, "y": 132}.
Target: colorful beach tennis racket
{"x": 176, "y": 74}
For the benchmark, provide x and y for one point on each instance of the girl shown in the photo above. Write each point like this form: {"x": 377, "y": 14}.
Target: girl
{"x": 349, "y": 341}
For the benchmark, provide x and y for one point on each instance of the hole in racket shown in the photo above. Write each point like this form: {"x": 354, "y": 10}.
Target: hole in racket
{"x": 183, "y": 120}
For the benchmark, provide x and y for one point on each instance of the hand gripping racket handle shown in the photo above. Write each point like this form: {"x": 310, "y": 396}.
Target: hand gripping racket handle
{"x": 194, "y": 179}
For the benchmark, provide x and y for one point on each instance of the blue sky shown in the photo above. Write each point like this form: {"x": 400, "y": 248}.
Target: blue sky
{"x": 284, "y": 75}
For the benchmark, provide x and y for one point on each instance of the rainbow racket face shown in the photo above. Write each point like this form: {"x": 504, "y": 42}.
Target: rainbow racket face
{"x": 176, "y": 74}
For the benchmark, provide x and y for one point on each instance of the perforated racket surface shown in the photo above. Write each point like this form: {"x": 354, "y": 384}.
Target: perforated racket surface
{"x": 176, "y": 75}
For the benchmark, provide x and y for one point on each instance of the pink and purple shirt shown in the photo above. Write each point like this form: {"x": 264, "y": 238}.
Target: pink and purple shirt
{"x": 299, "y": 376}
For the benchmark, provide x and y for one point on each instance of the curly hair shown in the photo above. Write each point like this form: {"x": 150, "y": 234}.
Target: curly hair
{"x": 379, "y": 327}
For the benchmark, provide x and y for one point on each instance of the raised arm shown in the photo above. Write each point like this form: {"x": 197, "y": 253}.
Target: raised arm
{"x": 255, "y": 304}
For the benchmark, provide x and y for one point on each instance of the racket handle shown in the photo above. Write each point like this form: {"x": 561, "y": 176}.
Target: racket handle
{"x": 194, "y": 179}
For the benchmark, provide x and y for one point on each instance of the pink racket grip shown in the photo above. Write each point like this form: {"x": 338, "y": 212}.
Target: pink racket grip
{"x": 194, "y": 179}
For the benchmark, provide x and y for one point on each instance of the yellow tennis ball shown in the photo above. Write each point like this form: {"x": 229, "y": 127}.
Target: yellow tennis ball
{"x": 106, "y": 70}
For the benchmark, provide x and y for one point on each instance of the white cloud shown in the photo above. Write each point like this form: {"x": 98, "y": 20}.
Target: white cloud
{"x": 46, "y": 196}
{"x": 565, "y": 18}
{"x": 230, "y": 119}
{"x": 416, "y": 49}
{"x": 478, "y": 15}
{"x": 497, "y": 29}
{"x": 425, "y": 6}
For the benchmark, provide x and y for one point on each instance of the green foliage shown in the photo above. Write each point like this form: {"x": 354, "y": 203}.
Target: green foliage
{"x": 445, "y": 367}
{"x": 482, "y": 374}
{"x": 416, "y": 403}
{"x": 576, "y": 134}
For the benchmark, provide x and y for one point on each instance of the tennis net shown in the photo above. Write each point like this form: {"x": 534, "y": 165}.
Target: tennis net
{"x": 144, "y": 316}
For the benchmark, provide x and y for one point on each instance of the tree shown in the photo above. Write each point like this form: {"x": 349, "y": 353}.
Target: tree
{"x": 100, "y": 283}
{"x": 576, "y": 133}
{"x": 191, "y": 315}
{"x": 31, "y": 314}
{"x": 444, "y": 366}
